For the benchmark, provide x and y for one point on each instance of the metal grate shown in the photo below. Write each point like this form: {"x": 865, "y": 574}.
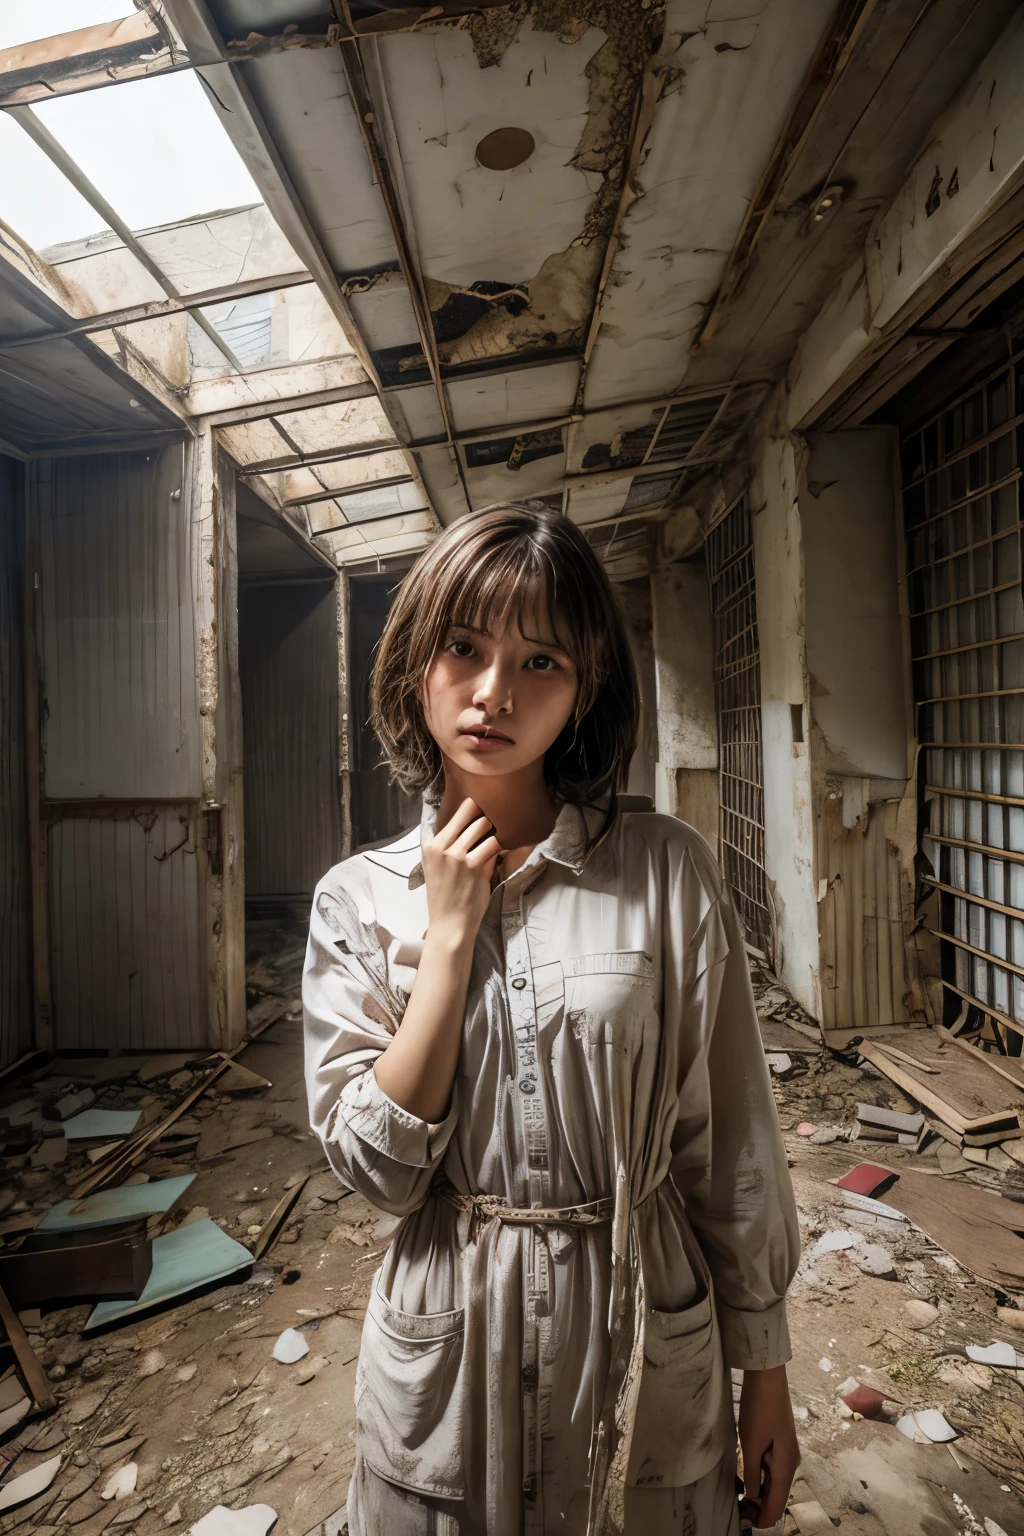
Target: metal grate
{"x": 730, "y": 557}
{"x": 961, "y": 482}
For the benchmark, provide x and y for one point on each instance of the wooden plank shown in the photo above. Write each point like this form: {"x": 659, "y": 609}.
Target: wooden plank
{"x": 964, "y": 1104}
{"x": 1011, "y": 1074}
{"x": 32, "y": 1373}
{"x": 979, "y": 1230}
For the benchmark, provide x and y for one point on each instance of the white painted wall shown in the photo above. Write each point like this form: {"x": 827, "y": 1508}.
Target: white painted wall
{"x": 853, "y": 634}
{"x": 684, "y": 666}
{"x": 789, "y": 821}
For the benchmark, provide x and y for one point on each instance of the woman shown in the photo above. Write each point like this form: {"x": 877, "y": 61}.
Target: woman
{"x": 530, "y": 1034}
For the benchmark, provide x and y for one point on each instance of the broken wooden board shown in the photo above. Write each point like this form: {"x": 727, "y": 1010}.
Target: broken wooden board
{"x": 962, "y": 1093}
{"x": 29, "y": 1368}
{"x": 981, "y": 1231}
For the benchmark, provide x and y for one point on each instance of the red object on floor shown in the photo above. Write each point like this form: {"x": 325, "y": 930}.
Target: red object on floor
{"x": 805, "y": 1128}
{"x": 865, "y": 1401}
{"x": 867, "y": 1179}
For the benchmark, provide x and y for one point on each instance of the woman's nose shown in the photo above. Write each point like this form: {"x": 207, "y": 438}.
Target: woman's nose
{"x": 494, "y": 690}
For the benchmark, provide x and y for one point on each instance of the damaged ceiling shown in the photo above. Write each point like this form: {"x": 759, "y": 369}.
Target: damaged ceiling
{"x": 560, "y": 248}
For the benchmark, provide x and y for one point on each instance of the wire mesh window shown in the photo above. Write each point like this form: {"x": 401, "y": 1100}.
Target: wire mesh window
{"x": 730, "y": 556}
{"x": 961, "y": 483}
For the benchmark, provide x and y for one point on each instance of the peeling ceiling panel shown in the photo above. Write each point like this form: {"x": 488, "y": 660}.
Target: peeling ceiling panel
{"x": 344, "y": 425}
{"x": 713, "y": 131}
{"x": 443, "y": 482}
{"x": 212, "y": 395}
{"x": 383, "y": 540}
{"x": 419, "y": 409}
{"x": 499, "y": 483}
{"x": 520, "y": 395}
{"x": 472, "y": 222}
{"x": 254, "y": 441}
{"x": 304, "y": 100}
{"x": 590, "y": 503}
{"x": 348, "y": 472}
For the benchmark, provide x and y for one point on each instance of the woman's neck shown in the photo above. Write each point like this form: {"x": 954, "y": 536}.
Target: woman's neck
{"x": 520, "y": 805}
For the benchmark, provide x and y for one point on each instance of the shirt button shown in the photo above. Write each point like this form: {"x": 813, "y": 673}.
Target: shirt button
{"x": 527, "y": 1087}
{"x": 519, "y": 982}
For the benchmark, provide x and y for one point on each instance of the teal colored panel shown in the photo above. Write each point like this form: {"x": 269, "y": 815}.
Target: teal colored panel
{"x": 101, "y": 1123}
{"x": 183, "y": 1260}
{"x": 113, "y": 1205}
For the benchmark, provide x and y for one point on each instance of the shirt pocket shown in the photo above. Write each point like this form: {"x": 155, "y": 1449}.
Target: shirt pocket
{"x": 677, "y": 1431}
{"x": 409, "y": 1397}
{"x": 609, "y": 998}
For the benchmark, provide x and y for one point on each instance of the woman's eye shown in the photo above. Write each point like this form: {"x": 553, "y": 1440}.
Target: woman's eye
{"x": 543, "y": 663}
{"x": 460, "y": 648}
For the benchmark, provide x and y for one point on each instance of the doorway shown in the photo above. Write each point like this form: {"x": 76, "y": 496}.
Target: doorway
{"x": 288, "y": 676}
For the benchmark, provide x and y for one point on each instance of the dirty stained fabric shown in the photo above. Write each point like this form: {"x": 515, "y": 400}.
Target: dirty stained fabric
{"x": 611, "y": 1061}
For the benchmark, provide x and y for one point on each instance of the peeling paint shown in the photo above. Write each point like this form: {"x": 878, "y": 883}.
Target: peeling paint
{"x": 552, "y": 310}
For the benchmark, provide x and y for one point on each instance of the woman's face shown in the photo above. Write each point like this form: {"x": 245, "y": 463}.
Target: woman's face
{"x": 495, "y": 699}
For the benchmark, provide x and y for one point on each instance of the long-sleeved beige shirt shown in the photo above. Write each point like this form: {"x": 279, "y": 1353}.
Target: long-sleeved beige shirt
{"x": 610, "y": 1051}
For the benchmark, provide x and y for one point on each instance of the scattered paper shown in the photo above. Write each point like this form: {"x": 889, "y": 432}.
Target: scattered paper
{"x": 779, "y": 1062}
{"x": 14, "y": 1413}
{"x": 253, "y": 1520}
{"x": 122, "y": 1482}
{"x": 290, "y": 1346}
{"x": 825, "y": 1364}
{"x": 872, "y": 1259}
{"x": 29, "y": 1485}
{"x": 927, "y": 1427}
{"x": 834, "y": 1241}
{"x": 996, "y": 1354}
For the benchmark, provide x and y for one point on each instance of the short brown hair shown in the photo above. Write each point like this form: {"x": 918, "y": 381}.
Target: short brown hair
{"x": 490, "y": 565}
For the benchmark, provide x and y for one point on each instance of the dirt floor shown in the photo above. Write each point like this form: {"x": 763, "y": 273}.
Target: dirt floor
{"x": 190, "y": 1400}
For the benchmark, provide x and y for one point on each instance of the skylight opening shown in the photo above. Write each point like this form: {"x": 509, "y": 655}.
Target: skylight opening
{"x": 36, "y": 199}
{"x": 155, "y": 149}
{"x": 26, "y": 21}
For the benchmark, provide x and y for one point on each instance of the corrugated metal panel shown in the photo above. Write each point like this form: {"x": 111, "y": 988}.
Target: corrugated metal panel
{"x": 125, "y": 930}
{"x": 865, "y": 977}
{"x": 118, "y": 629}
{"x": 15, "y": 937}
{"x": 288, "y": 666}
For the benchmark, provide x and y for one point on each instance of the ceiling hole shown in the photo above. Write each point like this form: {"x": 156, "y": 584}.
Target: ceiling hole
{"x": 505, "y": 148}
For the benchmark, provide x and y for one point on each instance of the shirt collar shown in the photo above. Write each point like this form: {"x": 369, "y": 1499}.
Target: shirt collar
{"x": 570, "y": 841}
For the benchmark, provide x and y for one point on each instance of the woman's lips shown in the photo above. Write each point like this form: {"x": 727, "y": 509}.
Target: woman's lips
{"x": 482, "y": 739}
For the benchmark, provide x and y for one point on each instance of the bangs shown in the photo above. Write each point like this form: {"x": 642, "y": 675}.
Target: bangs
{"x": 517, "y": 584}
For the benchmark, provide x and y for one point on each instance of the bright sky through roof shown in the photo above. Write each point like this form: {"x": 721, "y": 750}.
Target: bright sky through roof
{"x": 24, "y": 21}
{"x": 154, "y": 148}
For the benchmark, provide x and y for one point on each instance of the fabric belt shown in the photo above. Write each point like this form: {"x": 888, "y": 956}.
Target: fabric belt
{"x": 487, "y": 1207}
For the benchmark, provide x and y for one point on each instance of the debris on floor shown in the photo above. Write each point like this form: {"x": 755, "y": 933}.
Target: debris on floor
{"x": 218, "y": 1399}
{"x": 925, "y": 1431}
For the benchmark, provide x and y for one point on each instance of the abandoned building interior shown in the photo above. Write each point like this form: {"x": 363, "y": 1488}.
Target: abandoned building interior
{"x": 736, "y": 284}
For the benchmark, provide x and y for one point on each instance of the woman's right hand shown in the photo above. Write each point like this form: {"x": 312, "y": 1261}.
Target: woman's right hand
{"x": 458, "y": 866}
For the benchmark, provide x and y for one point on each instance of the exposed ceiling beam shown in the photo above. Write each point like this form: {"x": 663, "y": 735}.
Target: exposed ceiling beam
{"x": 132, "y": 314}
{"x": 326, "y": 456}
{"x": 347, "y": 490}
{"x": 264, "y": 409}
{"x": 829, "y": 63}
{"x": 386, "y": 175}
{"x": 389, "y": 517}
{"x": 56, "y": 152}
{"x": 90, "y": 57}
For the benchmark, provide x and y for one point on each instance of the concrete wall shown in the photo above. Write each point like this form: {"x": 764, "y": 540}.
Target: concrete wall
{"x": 686, "y": 778}
{"x": 853, "y": 635}
{"x": 788, "y": 815}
